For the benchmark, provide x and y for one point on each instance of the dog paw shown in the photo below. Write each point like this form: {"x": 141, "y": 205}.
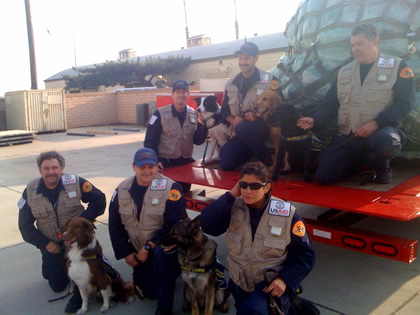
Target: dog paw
{"x": 104, "y": 308}
{"x": 82, "y": 311}
{"x": 224, "y": 307}
{"x": 130, "y": 300}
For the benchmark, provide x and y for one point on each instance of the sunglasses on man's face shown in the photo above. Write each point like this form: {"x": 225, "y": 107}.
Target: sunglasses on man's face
{"x": 253, "y": 186}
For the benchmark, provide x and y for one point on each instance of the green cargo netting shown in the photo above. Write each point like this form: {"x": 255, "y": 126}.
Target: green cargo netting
{"x": 319, "y": 36}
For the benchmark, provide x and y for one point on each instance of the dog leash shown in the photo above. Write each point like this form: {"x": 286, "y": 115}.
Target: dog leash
{"x": 274, "y": 308}
{"x": 69, "y": 291}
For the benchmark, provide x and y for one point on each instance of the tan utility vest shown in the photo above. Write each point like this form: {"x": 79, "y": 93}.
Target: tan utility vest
{"x": 51, "y": 223}
{"x": 249, "y": 259}
{"x": 152, "y": 210}
{"x": 176, "y": 141}
{"x": 236, "y": 104}
{"x": 359, "y": 103}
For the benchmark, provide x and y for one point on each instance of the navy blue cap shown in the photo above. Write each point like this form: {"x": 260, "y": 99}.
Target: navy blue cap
{"x": 180, "y": 84}
{"x": 249, "y": 49}
{"x": 145, "y": 156}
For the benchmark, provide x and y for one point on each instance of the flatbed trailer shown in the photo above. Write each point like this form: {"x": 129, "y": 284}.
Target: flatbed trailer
{"x": 348, "y": 204}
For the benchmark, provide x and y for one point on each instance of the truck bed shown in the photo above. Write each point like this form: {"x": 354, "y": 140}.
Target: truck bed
{"x": 399, "y": 200}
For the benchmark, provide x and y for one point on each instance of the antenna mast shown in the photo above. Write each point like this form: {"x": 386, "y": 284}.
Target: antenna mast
{"x": 236, "y": 21}
{"x": 186, "y": 23}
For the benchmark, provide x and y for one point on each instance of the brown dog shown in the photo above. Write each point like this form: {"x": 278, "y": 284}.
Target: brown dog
{"x": 268, "y": 100}
{"x": 197, "y": 257}
{"x": 86, "y": 266}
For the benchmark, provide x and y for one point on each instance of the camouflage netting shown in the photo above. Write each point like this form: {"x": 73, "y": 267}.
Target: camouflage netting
{"x": 318, "y": 37}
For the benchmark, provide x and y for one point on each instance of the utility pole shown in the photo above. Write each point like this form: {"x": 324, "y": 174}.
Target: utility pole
{"x": 186, "y": 23}
{"x": 236, "y": 22}
{"x": 34, "y": 82}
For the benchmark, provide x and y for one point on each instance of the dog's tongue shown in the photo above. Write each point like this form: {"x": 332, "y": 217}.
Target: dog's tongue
{"x": 169, "y": 248}
{"x": 69, "y": 242}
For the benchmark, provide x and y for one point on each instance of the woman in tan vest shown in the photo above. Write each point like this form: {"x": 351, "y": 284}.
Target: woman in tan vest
{"x": 265, "y": 238}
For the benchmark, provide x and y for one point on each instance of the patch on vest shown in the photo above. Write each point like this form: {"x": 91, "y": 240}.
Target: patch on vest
{"x": 299, "y": 229}
{"x": 152, "y": 119}
{"x": 386, "y": 62}
{"x": 278, "y": 207}
{"x": 159, "y": 184}
{"x": 113, "y": 195}
{"x": 21, "y": 203}
{"x": 174, "y": 195}
{"x": 264, "y": 78}
{"x": 72, "y": 194}
{"x": 86, "y": 187}
{"x": 192, "y": 119}
{"x": 274, "y": 85}
{"x": 68, "y": 179}
{"x": 406, "y": 73}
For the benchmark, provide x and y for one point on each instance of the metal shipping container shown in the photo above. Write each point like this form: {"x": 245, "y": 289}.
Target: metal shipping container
{"x": 36, "y": 110}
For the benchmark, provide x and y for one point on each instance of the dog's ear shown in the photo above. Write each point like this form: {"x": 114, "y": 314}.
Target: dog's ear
{"x": 196, "y": 222}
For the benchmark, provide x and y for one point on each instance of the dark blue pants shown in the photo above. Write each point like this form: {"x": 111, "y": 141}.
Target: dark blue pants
{"x": 255, "y": 302}
{"x": 157, "y": 278}
{"x": 249, "y": 141}
{"x": 54, "y": 270}
{"x": 347, "y": 154}
{"x": 174, "y": 162}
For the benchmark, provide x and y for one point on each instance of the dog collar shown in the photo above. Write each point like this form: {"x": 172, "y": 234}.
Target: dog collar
{"x": 297, "y": 138}
{"x": 199, "y": 269}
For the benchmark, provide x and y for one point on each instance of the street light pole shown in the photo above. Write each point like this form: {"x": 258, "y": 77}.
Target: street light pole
{"x": 34, "y": 82}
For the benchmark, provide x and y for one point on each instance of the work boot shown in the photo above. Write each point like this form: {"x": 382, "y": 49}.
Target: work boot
{"x": 75, "y": 302}
{"x": 383, "y": 176}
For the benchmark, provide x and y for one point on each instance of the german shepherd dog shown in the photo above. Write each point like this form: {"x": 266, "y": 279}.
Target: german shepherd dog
{"x": 294, "y": 141}
{"x": 197, "y": 257}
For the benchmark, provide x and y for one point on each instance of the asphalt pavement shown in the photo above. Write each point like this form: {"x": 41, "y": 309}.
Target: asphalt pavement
{"x": 342, "y": 282}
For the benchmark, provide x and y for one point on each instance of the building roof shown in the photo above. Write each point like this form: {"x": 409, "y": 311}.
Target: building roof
{"x": 266, "y": 43}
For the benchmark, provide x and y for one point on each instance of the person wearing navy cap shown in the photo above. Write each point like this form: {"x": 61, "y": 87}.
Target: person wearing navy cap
{"x": 174, "y": 129}
{"x": 142, "y": 210}
{"x": 241, "y": 92}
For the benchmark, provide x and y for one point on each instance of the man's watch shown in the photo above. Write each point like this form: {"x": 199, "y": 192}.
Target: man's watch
{"x": 148, "y": 247}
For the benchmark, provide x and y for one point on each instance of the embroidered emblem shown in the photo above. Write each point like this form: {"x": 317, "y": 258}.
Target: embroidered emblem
{"x": 274, "y": 85}
{"x": 113, "y": 195}
{"x": 192, "y": 119}
{"x": 21, "y": 203}
{"x": 152, "y": 119}
{"x": 386, "y": 62}
{"x": 174, "y": 195}
{"x": 299, "y": 229}
{"x": 159, "y": 184}
{"x": 86, "y": 187}
{"x": 406, "y": 73}
{"x": 279, "y": 207}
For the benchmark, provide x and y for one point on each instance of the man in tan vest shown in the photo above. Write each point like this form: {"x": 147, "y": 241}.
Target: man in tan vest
{"x": 142, "y": 210}
{"x": 50, "y": 201}
{"x": 241, "y": 93}
{"x": 370, "y": 98}
{"x": 174, "y": 129}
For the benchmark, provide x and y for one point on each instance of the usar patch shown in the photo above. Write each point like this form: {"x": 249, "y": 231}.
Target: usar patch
{"x": 21, "y": 203}
{"x": 299, "y": 229}
{"x": 152, "y": 119}
{"x": 406, "y": 73}
{"x": 86, "y": 187}
{"x": 174, "y": 195}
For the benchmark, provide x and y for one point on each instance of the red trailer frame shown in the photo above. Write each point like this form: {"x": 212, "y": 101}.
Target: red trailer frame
{"x": 400, "y": 203}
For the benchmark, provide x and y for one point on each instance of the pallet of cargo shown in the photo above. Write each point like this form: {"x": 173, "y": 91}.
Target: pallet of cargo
{"x": 14, "y": 137}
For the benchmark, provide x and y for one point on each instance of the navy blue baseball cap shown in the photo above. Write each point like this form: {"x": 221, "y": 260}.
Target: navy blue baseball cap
{"x": 145, "y": 156}
{"x": 180, "y": 84}
{"x": 249, "y": 49}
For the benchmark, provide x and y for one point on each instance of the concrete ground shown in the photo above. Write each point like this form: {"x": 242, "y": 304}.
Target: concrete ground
{"x": 342, "y": 282}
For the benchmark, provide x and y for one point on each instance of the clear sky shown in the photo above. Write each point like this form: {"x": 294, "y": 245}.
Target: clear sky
{"x": 94, "y": 31}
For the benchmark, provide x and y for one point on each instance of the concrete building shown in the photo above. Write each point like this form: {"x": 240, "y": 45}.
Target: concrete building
{"x": 215, "y": 61}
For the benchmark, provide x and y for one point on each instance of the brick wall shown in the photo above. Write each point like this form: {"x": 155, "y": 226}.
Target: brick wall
{"x": 91, "y": 109}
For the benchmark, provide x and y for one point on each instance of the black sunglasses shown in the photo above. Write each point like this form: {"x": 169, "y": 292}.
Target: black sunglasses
{"x": 253, "y": 186}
